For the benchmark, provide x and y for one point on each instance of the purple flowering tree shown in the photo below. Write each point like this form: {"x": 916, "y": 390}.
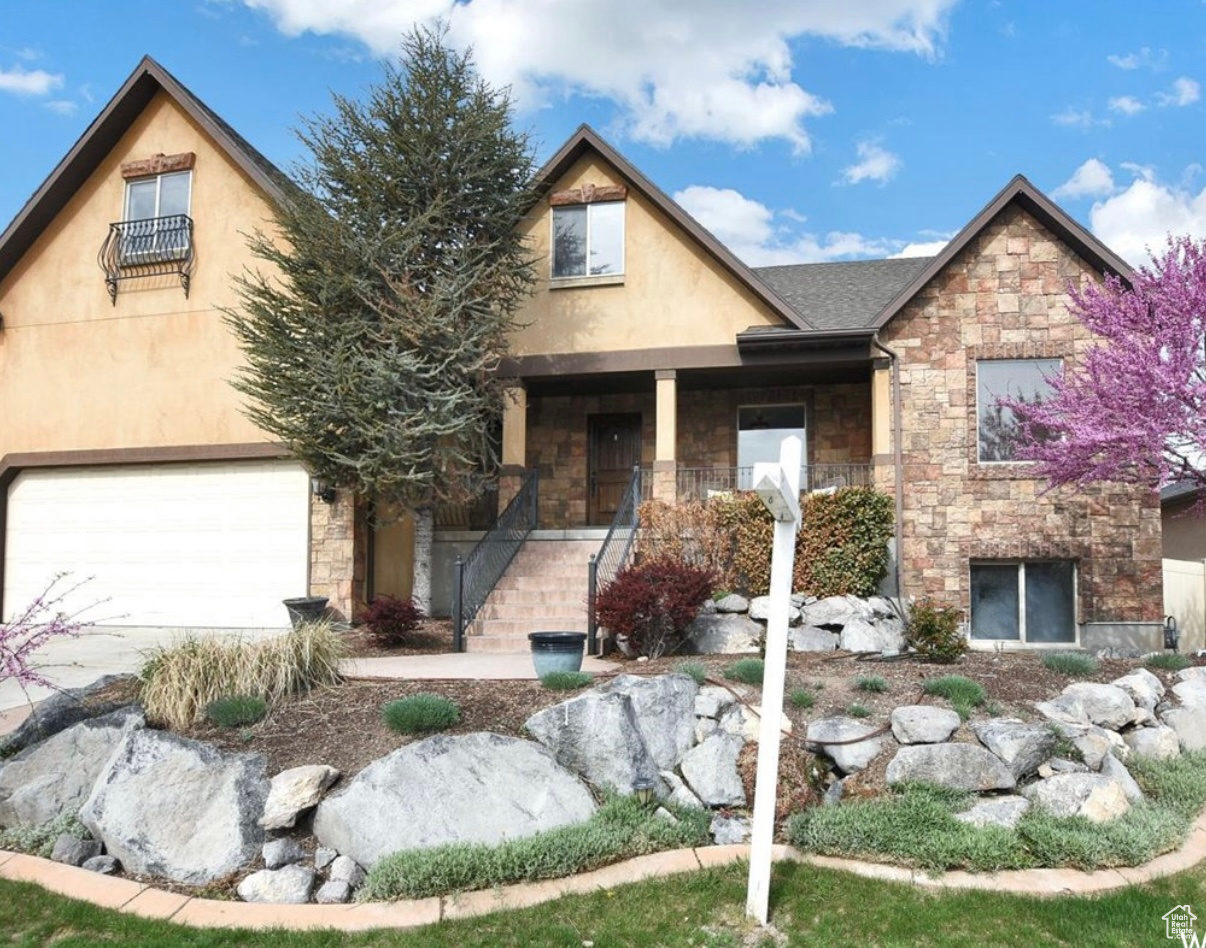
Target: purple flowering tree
{"x": 41, "y": 622}
{"x": 1135, "y": 410}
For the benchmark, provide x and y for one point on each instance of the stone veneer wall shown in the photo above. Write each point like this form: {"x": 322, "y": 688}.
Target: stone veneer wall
{"x": 1004, "y": 296}
{"x": 339, "y": 539}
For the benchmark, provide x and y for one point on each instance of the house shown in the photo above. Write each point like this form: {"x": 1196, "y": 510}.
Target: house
{"x": 647, "y": 345}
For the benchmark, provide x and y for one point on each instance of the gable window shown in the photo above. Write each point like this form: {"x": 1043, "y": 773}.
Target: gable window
{"x": 761, "y": 430}
{"x": 1031, "y": 601}
{"x": 998, "y": 433}
{"x": 588, "y": 240}
{"x": 156, "y": 219}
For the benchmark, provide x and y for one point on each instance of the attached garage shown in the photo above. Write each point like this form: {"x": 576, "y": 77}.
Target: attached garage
{"x": 205, "y": 545}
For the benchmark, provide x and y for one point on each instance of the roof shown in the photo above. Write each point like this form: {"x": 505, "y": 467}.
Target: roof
{"x": 1179, "y": 491}
{"x": 102, "y": 136}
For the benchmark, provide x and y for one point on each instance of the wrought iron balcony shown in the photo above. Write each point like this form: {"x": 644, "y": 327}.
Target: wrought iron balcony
{"x": 154, "y": 246}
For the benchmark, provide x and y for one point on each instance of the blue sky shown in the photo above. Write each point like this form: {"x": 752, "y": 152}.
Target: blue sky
{"x": 797, "y": 130}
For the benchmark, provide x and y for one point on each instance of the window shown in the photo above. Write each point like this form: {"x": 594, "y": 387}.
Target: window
{"x": 155, "y": 224}
{"x": 588, "y": 240}
{"x": 1032, "y": 601}
{"x": 998, "y": 433}
{"x": 761, "y": 430}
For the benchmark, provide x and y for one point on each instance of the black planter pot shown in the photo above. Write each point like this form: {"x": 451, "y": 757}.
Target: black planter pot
{"x": 557, "y": 651}
{"x": 306, "y": 609}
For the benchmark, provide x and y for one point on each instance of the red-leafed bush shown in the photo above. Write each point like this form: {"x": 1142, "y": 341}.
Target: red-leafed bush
{"x": 390, "y": 620}
{"x": 651, "y": 604}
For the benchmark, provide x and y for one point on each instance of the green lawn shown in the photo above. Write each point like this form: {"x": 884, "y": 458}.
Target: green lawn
{"x": 810, "y": 907}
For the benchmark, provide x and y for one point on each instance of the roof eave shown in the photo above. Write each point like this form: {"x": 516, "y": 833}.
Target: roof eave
{"x": 761, "y": 340}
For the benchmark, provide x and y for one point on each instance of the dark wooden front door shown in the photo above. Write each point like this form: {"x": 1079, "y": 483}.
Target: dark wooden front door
{"x": 615, "y": 447}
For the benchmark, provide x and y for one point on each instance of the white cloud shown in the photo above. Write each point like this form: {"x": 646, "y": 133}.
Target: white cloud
{"x": 28, "y": 82}
{"x": 1091, "y": 179}
{"x": 921, "y": 248}
{"x": 875, "y": 163}
{"x": 1077, "y": 118}
{"x": 1126, "y": 104}
{"x": 1185, "y": 91}
{"x": 1140, "y": 216}
{"x": 61, "y": 106}
{"x": 676, "y": 68}
{"x": 1152, "y": 59}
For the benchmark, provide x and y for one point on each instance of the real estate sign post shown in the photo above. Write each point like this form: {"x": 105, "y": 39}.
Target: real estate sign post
{"x": 778, "y": 485}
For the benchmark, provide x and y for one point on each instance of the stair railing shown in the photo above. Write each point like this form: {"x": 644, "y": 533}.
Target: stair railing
{"x": 475, "y": 576}
{"x": 613, "y": 555}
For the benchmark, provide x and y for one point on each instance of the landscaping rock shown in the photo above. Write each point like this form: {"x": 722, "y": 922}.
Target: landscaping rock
{"x": 723, "y": 634}
{"x": 105, "y": 865}
{"x": 1112, "y": 768}
{"x": 479, "y": 788}
{"x": 923, "y": 724}
{"x": 1191, "y": 692}
{"x": 347, "y": 870}
{"x": 1193, "y": 673}
{"x": 663, "y": 814}
{"x": 1190, "y": 725}
{"x": 289, "y": 886}
{"x": 710, "y": 770}
{"x": 833, "y": 793}
{"x": 849, "y": 757}
{"x": 808, "y": 638}
{"x": 1145, "y": 689}
{"x": 1097, "y": 798}
{"x": 54, "y": 777}
{"x": 333, "y": 892}
{"x": 324, "y": 856}
{"x": 678, "y": 792}
{"x": 732, "y": 603}
{"x": 958, "y": 766}
{"x": 1063, "y": 709}
{"x": 707, "y": 706}
{"x": 294, "y": 791}
{"x": 729, "y": 830}
{"x": 1021, "y": 746}
{"x": 760, "y": 610}
{"x": 861, "y": 635}
{"x": 172, "y": 807}
{"x": 833, "y": 611}
{"x": 1059, "y": 765}
{"x": 1158, "y": 743}
{"x": 596, "y": 735}
{"x": 746, "y": 722}
{"x": 724, "y": 698}
{"x": 664, "y": 710}
{"x": 705, "y": 728}
{"x": 279, "y": 853}
{"x": 1003, "y": 811}
{"x": 61, "y": 711}
{"x": 72, "y": 851}
{"x": 1104, "y": 705}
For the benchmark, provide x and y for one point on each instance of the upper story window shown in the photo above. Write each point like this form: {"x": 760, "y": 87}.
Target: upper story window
{"x": 156, "y": 216}
{"x": 761, "y": 430}
{"x": 997, "y": 431}
{"x": 588, "y": 232}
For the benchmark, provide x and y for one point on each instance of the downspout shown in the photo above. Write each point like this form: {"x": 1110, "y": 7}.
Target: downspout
{"x": 897, "y": 461}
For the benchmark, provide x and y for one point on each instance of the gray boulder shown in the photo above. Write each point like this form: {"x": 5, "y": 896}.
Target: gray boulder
{"x": 1112, "y": 768}
{"x": 1002, "y": 811}
{"x": 923, "y": 724}
{"x": 729, "y": 830}
{"x": 1061, "y": 765}
{"x": 809, "y": 638}
{"x": 760, "y": 610}
{"x": 61, "y": 711}
{"x": 1104, "y": 705}
{"x": 1158, "y": 743}
{"x": 347, "y": 870}
{"x": 862, "y": 635}
{"x": 1191, "y": 692}
{"x": 333, "y": 892}
{"x": 1093, "y": 742}
{"x": 842, "y": 740}
{"x": 1021, "y": 746}
{"x": 1145, "y": 689}
{"x": 723, "y": 634}
{"x": 1193, "y": 673}
{"x": 289, "y": 886}
{"x": 664, "y": 710}
{"x": 73, "y": 851}
{"x": 279, "y": 853}
{"x": 54, "y": 777}
{"x": 1097, "y": 798}
{"x": 324, "y": 856}
{"x": 833, "y": 611}
{"x": 1063, "y": 709}
{"x": 710, "y": 770}
{"x": 294, "y": 791}
{"x": 679, "y": 792}
{"x": 105, "y": 865}
{"x": 732, "y": 603}
{"x": 473, "y": 788}
{"x": 167, "y": 806}
{"x": 958, "y": 766}
{"x": 1190, "y": 725}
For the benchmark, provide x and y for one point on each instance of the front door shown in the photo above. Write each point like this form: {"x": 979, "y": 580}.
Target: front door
{"x": 615, "y": 448}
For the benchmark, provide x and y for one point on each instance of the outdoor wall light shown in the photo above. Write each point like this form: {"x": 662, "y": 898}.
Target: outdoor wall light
{"x": 642, "y": 789}
{"x": 322, "y": 490}
{"x": 1171, "y": 635}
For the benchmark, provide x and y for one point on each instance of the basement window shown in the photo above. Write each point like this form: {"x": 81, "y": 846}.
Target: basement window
{"x": 1031, "y": 601}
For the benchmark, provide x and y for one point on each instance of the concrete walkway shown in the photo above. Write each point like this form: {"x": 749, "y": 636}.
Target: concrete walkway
{"x": 481, "y": 666}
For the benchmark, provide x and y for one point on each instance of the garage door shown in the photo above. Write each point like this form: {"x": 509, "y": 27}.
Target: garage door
{"x": 184, "y": 545}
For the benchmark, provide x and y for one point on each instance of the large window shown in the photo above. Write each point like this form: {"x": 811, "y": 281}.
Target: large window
{"x": 761, "y": 430}
{"x": 1032, "y": 601}
{"x": 998, "y": 433}
{"x": 156, "y": 217}
{"x": 588, "y": 240}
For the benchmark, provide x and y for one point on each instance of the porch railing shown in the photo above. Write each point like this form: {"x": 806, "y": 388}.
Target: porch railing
{"x": 700, "y": 483}
{"x": 613, "y": 555}
{"x": 476, "y": 575}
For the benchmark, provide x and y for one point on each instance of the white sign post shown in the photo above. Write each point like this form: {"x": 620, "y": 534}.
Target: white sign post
{"x": 778, "y": 485}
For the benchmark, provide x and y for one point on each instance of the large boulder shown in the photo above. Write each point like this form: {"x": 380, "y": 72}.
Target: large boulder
{"x": 726, "y": 633}
{"x": 958, "y": 766}
{"x": 63, "y": 710}
{"x": 864, "y": 635}
{"x": 710, "y": 770}
{"x": 1145, "y": 689}
{"x": 845, "y": 741}
{"x": 760, "y": 610}
{"x": 1111, "y": 767}
{"x": 733, "y": 602}
{"x": 1021, "y": 746}
{"x": 473, "y": 788}
{"x": 1093, "y": 742}
{"x": 1003, "y": 811}
{"x": 294, "y": 791}
{"x": 1191, "y": 692}
{"x": 1158, "y": 743}
{"x": 923, "y": 724}
{"x": 664, "y": 710}
{"x": 1096, "y": 797}
{"x": 809, "y": 638}
{"x": 54, "y": 777}
{"x": 832, "y": 612}
{"x": 1063, "y": 709}
{"x": 1190, "y": 725}
{"x": 1104, "y": 705}
{"x": 167, "y": 806}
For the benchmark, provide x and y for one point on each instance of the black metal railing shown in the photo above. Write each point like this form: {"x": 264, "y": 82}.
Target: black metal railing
{"x": 155, "y": 246}
{"x": 476, "y": 575}
{"x": 699, "y": 483}
{"x": 613, "y": 555}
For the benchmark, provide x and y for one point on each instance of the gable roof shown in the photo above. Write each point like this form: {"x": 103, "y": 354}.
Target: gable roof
{"x": 103, "y": 134}
{"x": 586, "y": 139}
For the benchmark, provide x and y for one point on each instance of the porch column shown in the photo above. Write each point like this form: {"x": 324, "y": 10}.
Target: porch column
{"x": 514, "y": 442}
{"x": 881, "y": 423}
{"x": 665, "y": 463}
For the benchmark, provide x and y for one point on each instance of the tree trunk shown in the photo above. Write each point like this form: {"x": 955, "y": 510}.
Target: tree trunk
{"x": 424, "y": 540}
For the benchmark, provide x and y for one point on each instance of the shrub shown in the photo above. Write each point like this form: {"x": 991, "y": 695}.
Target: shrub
{"x": 872, "y": 683}
{"x": 237, "y": 711}
{"x": 693, "y": 532}
{"x": 963, "y": 693}
{"x": 802, "y": 698}
{"x": 652, "y": 603}
{"x": 1074, "y": 664}
{"x": 181, "y": 680}
{"x": 749, "y": 671}
{"x": 695, "y": 670}
{"x": 566, "y": 680}
{"x": 50, "y": 616}
{"x": 419, "y": 713}
{"x": 858, "y": 711}
{"x": 389, "y": 620}
{"x": 40, "y": 840}
{"x": 1167, "y": 661}
{"x": 934, "y": 632}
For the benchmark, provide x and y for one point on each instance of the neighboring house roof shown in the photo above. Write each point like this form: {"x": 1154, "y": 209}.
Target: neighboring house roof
{"x": 838, "y": 296}
{"x": 103, "y": 134}
{"x": 1178, "y": 491}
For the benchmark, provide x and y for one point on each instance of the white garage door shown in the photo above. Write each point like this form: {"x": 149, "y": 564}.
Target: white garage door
{"x": 182, "y": 545}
